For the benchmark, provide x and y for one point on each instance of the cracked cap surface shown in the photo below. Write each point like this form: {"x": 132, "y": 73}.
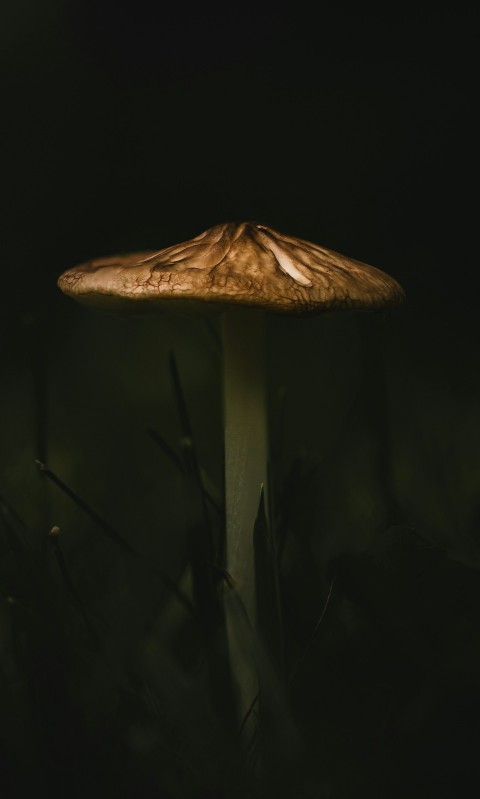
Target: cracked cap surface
{"x": 234, "y": 264}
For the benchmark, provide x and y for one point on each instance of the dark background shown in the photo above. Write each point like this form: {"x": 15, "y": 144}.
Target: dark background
{"x": 137, "y": 124}
{"x": 131, "y": 126}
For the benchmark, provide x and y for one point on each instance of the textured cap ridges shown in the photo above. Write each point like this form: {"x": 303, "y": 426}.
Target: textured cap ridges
{"x": 237, "y": 264}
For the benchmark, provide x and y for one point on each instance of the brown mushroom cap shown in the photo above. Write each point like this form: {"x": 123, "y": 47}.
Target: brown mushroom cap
{"x": 243, "y": 264}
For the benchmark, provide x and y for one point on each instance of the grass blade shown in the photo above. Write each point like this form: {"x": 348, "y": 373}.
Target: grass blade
{"x": 190, "y": 454}
{"x": 179, "y": 397}
{"x": 211, "y": 493}
{"x": 13, "y": 540}
{"x": 166, "y": 449}
{"x": 109, "y": 531}
{"x": 112, "y": 534}
{"x": 72, "y": 591}
{"x": 269, "y": 611}
{"x": 304, "y": 655}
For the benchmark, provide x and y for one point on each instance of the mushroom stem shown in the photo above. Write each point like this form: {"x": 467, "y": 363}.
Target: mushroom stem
{"x": 246, "y": 453}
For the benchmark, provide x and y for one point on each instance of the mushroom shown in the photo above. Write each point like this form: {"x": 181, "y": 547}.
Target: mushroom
{"x": 241, "y": 270}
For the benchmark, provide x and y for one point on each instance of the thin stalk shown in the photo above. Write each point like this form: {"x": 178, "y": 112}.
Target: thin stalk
{"x": 246, "y": 449}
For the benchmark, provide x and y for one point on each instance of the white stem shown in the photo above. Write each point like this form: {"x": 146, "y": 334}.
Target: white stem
{"x": 246, "y": 452}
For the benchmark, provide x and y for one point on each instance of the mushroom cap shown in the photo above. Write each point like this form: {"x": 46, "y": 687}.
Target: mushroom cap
{"x": 242, "y": 264}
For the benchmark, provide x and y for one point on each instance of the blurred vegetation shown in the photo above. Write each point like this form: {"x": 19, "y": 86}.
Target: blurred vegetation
{"x": 112, "y": 668}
